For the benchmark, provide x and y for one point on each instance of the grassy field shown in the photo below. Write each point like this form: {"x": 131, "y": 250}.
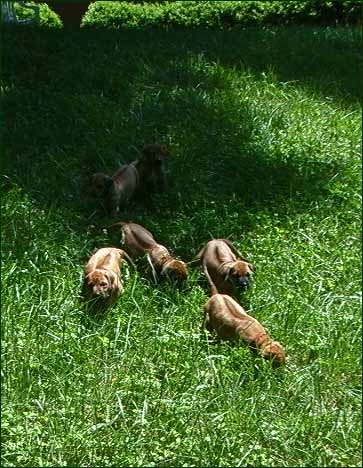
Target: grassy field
{"x": 264, "y": 131}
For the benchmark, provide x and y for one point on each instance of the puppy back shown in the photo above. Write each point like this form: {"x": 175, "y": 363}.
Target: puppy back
{"x": 136, "y": 236}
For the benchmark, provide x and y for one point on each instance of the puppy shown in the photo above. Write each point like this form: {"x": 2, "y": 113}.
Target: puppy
{"x": 102, "y": 276}
{"x": 230, "y": 322}
{"x": 152, "y": 168}
{"x": 224, "y": 271}
{"x": 117, "y": 190}
{"x": 140, "y": 177}
{"x": 138, "y": 241}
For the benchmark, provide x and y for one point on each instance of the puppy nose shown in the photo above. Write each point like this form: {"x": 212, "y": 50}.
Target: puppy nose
{"x": 243, "y": 283}
{"x": 100, "y": 292}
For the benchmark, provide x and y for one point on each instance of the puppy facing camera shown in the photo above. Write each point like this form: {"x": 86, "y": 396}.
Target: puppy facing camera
{"x": 226, "y": 270}
{"x": 102, "y": 284}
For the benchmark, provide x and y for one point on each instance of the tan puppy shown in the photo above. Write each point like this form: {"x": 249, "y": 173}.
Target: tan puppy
{"x": 224, "y": 271}
{"x": 142, "y": 176}
{"x": 138, "y": 241}
{"x": 102, "y": 276}
{"x": 230, "y": 321}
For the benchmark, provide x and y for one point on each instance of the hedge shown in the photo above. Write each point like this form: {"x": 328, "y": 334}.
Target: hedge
{"x": 218, "y": 14}
{"x": 208, "y": 14}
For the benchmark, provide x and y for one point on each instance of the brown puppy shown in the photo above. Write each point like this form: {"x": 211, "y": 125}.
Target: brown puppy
{"x": 230, "y": 321}
{"x": 151, "y": 167}
{"x": 138, "y": 241}
{"x": 116, "y": 190}
{"x": 142, "y": 176}
{"x": 102, "y": 276}
{"x": 223, "y": 269}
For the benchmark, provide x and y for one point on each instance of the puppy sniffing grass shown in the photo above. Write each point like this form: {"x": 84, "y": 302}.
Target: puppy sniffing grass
{"x": 229, "y": 321}
{"x": 224, "y": 267}
{"x": 102, "y": 277}
{"x": 138, "y": 241}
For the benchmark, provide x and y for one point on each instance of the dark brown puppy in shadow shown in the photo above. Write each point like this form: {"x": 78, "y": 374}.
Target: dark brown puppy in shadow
{"x": 138, "y": 178}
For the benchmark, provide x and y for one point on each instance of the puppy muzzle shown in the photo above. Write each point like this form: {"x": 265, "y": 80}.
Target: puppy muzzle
{"x": 101, "y": 293}
{"x": 243, "y": 284}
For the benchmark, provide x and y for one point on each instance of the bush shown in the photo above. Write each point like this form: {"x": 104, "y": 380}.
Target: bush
{"x": 47, "y": 17}
{"x": 212, "y": 14}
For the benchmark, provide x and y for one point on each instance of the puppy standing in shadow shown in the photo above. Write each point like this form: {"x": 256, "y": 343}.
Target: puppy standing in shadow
{"x": 230, "y": 322}
{"x": 102, "y": 277}
{"x": 138, "y": 241}
{"x": 140, "y": 177}
{"x": 224, "y": 267}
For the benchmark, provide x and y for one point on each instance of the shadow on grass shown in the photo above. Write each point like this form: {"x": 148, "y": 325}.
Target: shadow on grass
{"x": 83, "y": 101}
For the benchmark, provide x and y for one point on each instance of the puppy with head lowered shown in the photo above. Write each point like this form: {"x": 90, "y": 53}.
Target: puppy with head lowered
{"x": 102, "y": 276}
{"x": 142, "y": 177}
{"x": 138, "y": 241}
{"x": 224, "y": 267}
{"x": 230, "y": 322}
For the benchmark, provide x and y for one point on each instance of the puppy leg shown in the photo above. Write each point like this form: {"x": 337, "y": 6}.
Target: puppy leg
{"x": 206, "y": 325}
{"x": 117, "y": 290}
{"x": 113, "y": 201}
{"x": 155, "y": 275}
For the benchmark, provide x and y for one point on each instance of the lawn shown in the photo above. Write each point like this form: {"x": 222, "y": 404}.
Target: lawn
{"x": 264, "y": 131}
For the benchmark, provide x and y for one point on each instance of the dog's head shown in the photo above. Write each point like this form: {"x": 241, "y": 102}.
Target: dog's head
{"x": 274, "y": 352}
{"x": 154, "y": 153}
{"x": 101, "y": 283}
{"x": 240, "y": 274}
{"x": 99, "y": 184}
{"x": 176, "y": 270}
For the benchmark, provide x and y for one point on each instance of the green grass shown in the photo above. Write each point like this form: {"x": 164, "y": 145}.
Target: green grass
{"x": 264, "y": 130}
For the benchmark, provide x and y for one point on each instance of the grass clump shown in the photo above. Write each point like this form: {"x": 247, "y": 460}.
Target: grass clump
{"x": 265, "y": 150}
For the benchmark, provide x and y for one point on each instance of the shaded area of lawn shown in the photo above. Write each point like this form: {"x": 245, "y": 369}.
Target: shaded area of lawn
{"x": 80, "y": 102}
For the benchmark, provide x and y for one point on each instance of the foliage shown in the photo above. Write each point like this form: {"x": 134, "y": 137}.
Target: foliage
{"x": 206, "y": 14}
{"x": 218, "y": 14}
{"x": 48, "y": 18}
{"x": 264, "y": 131}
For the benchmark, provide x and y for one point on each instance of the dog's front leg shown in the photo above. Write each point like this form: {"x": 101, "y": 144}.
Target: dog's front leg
{"x": 113, "y": 202}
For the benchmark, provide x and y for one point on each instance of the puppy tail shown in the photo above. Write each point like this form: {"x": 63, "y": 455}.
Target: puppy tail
{"x": 213, "y": 287}
{"x": 199, "y": 254}
{"x": 128, "y": 258}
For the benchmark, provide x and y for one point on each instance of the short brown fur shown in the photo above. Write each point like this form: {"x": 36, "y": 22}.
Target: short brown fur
{"x": 138, "y": 241}
{"x": 141, "y": 176}
{"x": 224, "y": 270}
{"x": 102, "y": 276}
{"x": 230, "y": 322}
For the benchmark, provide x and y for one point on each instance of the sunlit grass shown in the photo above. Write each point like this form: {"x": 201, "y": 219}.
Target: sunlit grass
{"x": 264, "y": 131}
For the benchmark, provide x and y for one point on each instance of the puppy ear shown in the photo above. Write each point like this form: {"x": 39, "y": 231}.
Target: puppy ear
{"x": 251, "y": 267}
